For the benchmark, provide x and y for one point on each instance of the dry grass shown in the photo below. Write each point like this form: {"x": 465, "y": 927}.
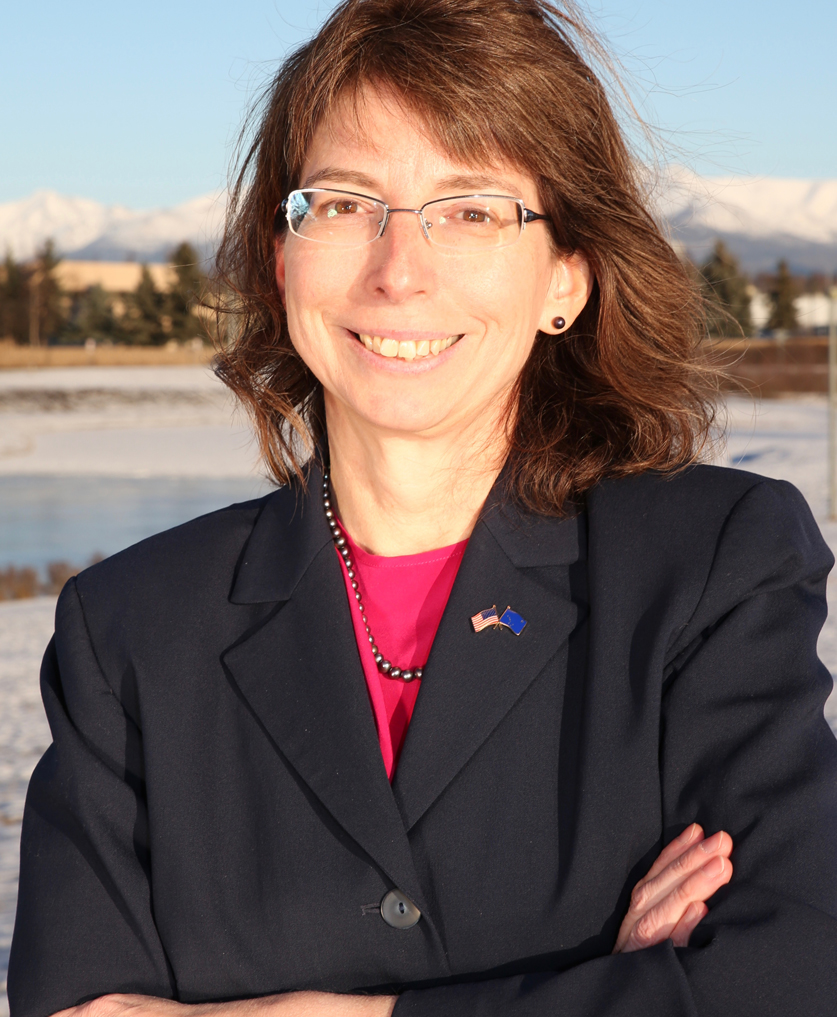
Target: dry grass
{"x": 21, "y": 583}
{"x": 767, "y": 368}
{"x": 14, "y": 356}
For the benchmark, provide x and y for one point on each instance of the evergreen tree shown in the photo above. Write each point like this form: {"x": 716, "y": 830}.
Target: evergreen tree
{"x": 14, "y": 301}
{"x": 783, "y": 292}
{"x": 725, "y": 289}
{"x": 47, "y": 313}
{"x": 144, "y": 321}
{"x": 93, "y": 316}
{"x": 186, "y": 293}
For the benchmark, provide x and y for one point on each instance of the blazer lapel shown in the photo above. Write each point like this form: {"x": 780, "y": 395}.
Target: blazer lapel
{"x": 472, "y": 679}
{"x": 301, "y": 676}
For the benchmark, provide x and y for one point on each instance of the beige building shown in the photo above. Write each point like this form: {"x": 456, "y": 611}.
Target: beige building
{"x": 112, "y": 276}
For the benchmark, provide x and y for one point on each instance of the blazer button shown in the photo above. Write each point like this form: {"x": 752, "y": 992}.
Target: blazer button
{"x": 399, "y": 911}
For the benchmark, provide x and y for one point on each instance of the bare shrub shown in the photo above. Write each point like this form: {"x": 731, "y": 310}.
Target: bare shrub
{"x": 17, "y": 583}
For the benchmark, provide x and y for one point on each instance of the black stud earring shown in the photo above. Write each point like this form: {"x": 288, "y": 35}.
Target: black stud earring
{"x": 558, "y": 323}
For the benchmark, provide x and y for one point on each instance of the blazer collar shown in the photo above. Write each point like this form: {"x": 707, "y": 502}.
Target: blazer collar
{"x": 300, "y": 673}
{"x": 289, "y": 533}
{"x": 291, "y": 530}
{"x": 472, "y": 680}
{"x": 533, "y": 541}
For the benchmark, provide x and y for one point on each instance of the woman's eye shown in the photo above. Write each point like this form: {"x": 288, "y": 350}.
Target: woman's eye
{"x": 468, "y": 215}
{"x": 344, "y": 207}
{"x": 475, "y": 215}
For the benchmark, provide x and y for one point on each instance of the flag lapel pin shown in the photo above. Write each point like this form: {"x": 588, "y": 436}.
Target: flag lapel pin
{"x": 508, "y": 619}
{"x": 483, "y": 619}
{"x": 512, "y": 620}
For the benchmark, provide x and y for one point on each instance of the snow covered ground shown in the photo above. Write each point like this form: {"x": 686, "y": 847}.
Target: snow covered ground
{"x": 166, "y": 422}
{"x": 121, "y": 421}
{"x": 25, "y": 629}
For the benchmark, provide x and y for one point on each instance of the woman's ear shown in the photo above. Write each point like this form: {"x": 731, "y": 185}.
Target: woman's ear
{"x": 279, "y": 248}
{"x": 569, "y": 291}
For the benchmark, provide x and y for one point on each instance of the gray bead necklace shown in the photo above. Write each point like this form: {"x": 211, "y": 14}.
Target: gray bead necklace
{"x": 384, "y": 666}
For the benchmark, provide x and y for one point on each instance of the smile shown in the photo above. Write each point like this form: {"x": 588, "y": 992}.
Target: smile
{"x": 408, "y": 349}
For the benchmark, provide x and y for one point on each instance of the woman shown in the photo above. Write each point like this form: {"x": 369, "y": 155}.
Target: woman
{"x": 402, "y": 736}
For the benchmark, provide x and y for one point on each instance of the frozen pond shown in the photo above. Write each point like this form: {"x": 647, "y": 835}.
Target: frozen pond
{"x": 71, "y": 518}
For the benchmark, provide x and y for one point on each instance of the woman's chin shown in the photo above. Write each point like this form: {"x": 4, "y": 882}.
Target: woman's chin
{"x": 403, "y": 420}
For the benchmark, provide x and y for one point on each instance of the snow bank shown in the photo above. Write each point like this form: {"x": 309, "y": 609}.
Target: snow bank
{"x": 128, "y": 421}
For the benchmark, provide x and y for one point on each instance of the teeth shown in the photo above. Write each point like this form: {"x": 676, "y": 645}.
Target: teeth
{"x": 407, "y": 349}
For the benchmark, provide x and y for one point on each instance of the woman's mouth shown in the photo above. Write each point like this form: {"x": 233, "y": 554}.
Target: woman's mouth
{"x": 407, "y": 349}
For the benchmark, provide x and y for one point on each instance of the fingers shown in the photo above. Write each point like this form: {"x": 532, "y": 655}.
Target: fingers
{"x": 659, "y": 922}
{"x": 649, "y": 893}
{"x": 691, "y": 835}
{"x": 692, "y": 917}
{"x": 687, "y": 872}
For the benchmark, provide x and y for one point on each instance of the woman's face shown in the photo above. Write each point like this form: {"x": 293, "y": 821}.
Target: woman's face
{"x": 403, "y": 288}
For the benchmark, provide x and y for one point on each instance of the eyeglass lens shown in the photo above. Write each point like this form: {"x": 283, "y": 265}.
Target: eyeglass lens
{"x": 346, "y": 219}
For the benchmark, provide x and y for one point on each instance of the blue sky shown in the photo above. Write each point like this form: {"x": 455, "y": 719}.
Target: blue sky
{"x": 139, "y": 104}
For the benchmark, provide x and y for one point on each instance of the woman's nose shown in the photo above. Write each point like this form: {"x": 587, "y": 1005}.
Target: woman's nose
{"x": 404, "y": 211}
{"x": 402, "y": 258}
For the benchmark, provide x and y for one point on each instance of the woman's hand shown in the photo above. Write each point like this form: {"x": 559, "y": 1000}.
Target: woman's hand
{"x": 670, "y": 901}
{"x": 289, "y": 1004}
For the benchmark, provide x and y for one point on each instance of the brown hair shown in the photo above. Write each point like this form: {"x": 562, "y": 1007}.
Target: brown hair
{"x": 623, "y": 390}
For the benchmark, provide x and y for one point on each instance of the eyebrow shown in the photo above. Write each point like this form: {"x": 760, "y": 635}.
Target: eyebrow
{"x": 337, "y": 173}
{"x": 457, "y": 182}
{"x": 462, "y": 182}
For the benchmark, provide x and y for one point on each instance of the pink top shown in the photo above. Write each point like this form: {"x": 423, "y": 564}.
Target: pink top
{"x": 404, "y": 598}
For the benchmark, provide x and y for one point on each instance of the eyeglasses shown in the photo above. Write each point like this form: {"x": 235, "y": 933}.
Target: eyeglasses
{"x": 464, "y": 222}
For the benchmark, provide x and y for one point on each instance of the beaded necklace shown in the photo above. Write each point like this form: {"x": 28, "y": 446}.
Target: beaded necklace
{"x": 385, "y": 666}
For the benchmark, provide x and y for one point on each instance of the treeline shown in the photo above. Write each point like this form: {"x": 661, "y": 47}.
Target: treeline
{"x": 34, "y": 309}
{"x": 18, "y": 583}
{"x": 729, "y": 293}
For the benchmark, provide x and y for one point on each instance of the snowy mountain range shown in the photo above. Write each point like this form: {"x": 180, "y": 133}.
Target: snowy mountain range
{"x": 761, "y": 219}
{"x": 89, "y": 231}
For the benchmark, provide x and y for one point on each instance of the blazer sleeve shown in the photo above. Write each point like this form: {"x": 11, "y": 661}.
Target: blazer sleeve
{"x": 743, "y": 747}
{"x": 84, "y": 923}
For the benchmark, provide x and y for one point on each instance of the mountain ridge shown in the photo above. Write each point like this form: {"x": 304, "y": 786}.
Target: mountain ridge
{"x": 761, "y": 219}
{"x": 87, "y": 230}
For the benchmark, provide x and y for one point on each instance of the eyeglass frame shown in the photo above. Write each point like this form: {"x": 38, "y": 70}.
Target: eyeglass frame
{"x": 526, "y": 216}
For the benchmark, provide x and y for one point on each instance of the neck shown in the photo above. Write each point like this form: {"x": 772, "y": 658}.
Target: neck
{"x": 400, "y": 493}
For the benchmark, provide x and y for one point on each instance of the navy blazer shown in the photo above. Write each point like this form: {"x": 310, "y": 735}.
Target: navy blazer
{"x": 213, "y": 820}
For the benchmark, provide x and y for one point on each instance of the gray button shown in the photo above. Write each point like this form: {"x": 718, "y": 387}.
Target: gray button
{"x": 399, "y": 911}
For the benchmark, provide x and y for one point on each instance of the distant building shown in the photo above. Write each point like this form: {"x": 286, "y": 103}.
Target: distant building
{"x": 118, "y": 277}
{"x": 759, "y": 308}
{"x": 813, "y": 311}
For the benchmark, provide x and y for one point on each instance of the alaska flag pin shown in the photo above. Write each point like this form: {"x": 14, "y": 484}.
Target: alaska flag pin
{"x": 512, "y": 620}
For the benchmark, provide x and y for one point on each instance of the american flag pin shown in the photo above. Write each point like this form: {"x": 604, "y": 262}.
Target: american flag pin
{"x": 483, "y": 619}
